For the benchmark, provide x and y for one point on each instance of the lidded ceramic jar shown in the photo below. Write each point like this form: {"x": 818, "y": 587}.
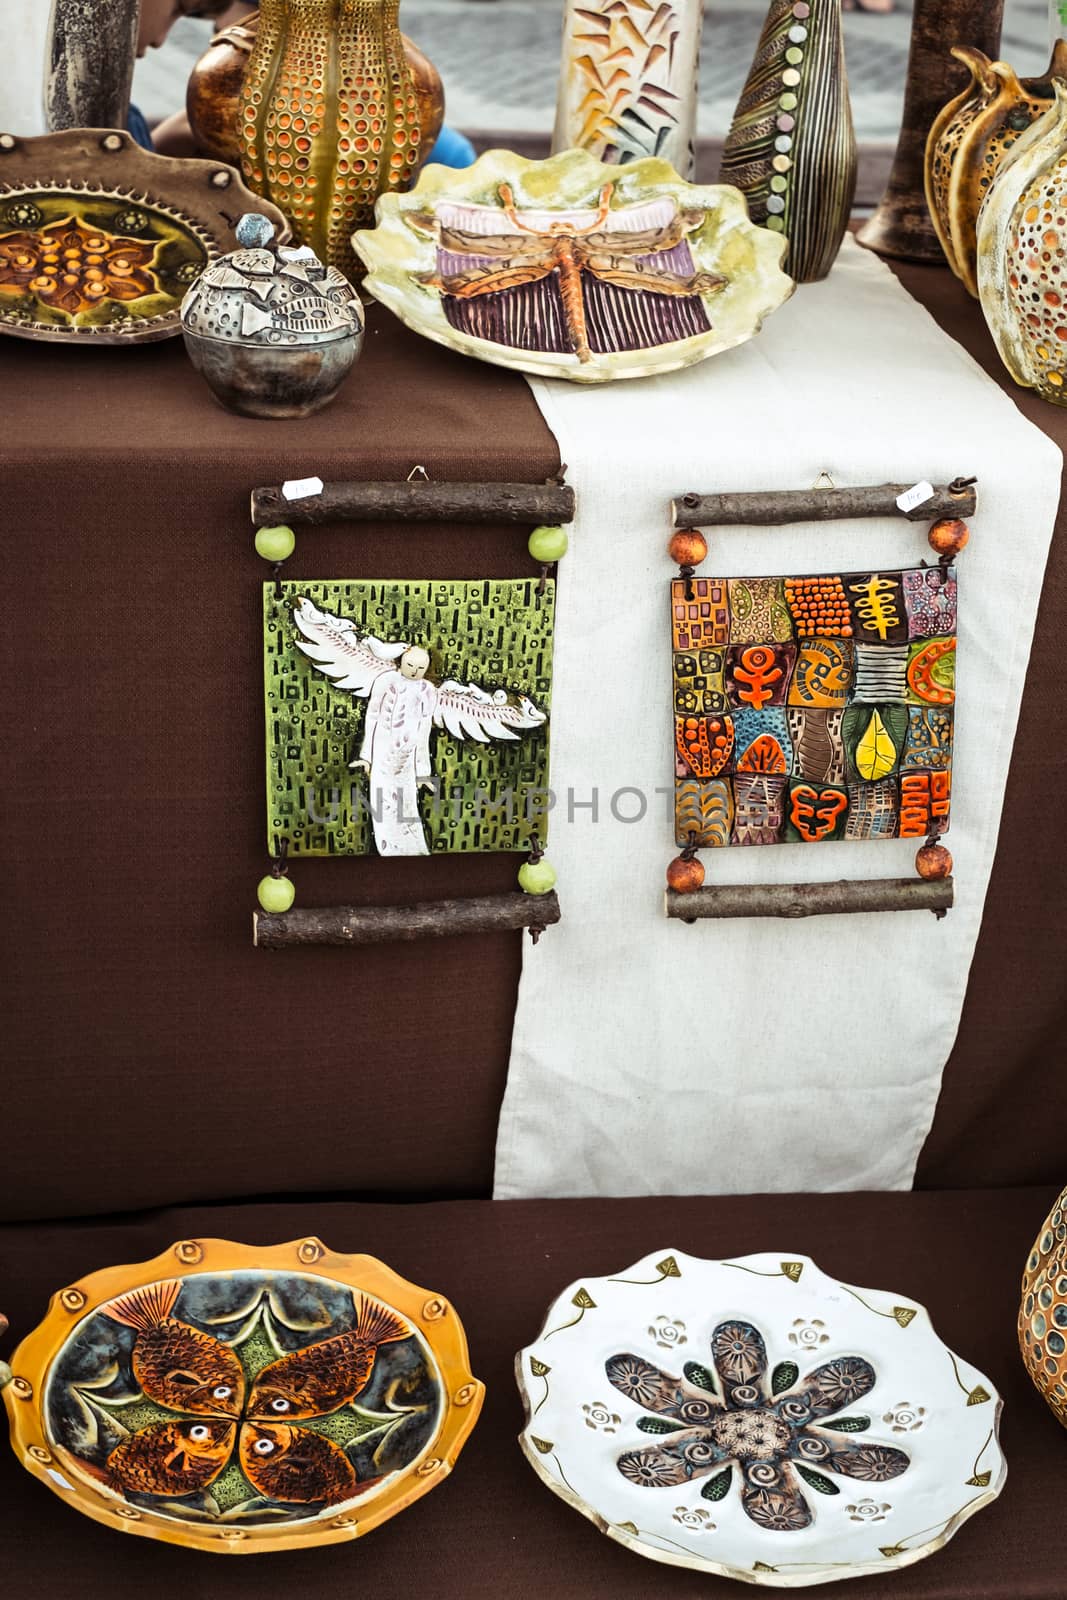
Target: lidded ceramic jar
{"x": 1043, "y": 1312}
{"x": 1022, "y": 254}
{"x": 969, "y": 140}
{"x": 272, "y": 331}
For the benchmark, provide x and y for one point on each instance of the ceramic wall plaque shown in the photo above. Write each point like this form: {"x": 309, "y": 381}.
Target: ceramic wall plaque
{"x": 407, "y": 718}
{"x": 238, "y": 1399}
{"x": 572, "y": 268}
{"x": 791, "y": 148}
{"x": 628, "y": 81}
{"x": 100, "y": 240}
{"x": 1043, "y": 1311}
{"x": 810, "y": 709}
{"x": 756, "y": 1419}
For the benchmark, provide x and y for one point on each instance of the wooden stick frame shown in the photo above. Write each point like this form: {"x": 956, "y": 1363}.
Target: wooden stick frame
{"x": 348, "y": 926}
{"x": 774, "y": 508}
{"x": 419, "y": 500}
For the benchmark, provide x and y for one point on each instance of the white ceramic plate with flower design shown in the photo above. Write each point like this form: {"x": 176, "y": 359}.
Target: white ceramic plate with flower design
{"x": 757, "y": 1419}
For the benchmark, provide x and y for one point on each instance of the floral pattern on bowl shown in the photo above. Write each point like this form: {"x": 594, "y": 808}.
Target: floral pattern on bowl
{"x": 731, "y": 1455}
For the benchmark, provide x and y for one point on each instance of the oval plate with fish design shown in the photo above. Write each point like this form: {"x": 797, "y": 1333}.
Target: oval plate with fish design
{"x": 569, "y": 268}
{"x": 756, "y": 1419}
{"x": 231, "y": 1398}
{"x": 100, "y": 240}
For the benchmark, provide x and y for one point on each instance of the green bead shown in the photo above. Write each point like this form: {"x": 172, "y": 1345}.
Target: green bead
{"x": 275, "y": 544}
{"x": 275, "y": 894}
{"x": 548, "y": 544}
{"x": 536, "y": 877}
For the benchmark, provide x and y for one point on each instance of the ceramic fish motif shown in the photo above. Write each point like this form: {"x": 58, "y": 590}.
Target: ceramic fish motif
{"x": 175, "y": 1364}
{"x": 171, "y": 1458}
{"x": 295, "y": 1466}
{"x": 322, "y": 1377}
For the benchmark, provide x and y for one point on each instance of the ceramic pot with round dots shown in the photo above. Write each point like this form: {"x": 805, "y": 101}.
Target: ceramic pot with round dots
{"x": 1043, "y": 1312}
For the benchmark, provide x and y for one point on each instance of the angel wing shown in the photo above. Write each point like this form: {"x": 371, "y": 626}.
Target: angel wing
{"x": 470, "y": 713}
{"x": 352, "y": 660}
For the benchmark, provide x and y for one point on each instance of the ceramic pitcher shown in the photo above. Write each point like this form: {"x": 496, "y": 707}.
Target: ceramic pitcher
{"x": 329, "y": 117}
{"x": 628, "y": 80}
{"x": 1022, "y": 254}
{"x": 969, "y": 140}
{"x": 791, "y": 148}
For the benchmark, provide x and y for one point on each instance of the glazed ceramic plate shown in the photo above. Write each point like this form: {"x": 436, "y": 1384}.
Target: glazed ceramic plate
{"x": 99, "y": 239}
{"x": 756, "y": 1419}
{"x": 239, "y": 1399}
{"x": 572, "y": 269}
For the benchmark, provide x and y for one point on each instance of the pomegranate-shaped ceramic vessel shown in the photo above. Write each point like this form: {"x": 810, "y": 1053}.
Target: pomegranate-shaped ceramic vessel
{"x": 1022, "y": 254}
{"x": 968, "y": 142}
{"x": 1043, "y": 1313}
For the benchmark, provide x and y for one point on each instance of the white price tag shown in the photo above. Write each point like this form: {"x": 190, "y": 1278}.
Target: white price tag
{"x": 916, "y": 496}
{"x": 300, "y": 488}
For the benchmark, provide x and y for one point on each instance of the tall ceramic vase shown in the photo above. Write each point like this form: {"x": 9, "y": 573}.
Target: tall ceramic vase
{"x": 329, "y": 117}
{"x": 1022, "y": 255}
{"x": 901, "y": 225}
{"x": 1043, "y": 1311}
{"x": 791, "y": 148}
{"x": 92, "y": 49}
{"x": 628, "y": 80}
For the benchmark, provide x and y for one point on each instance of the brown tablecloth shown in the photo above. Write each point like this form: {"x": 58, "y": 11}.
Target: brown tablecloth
{"x": 492, "y": 1530}
{"x": 153, "y": 1056}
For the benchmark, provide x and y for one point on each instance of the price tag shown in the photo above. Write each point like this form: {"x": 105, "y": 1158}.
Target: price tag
{"x": 916, "y": 496}
{"x": 301, "y": 488}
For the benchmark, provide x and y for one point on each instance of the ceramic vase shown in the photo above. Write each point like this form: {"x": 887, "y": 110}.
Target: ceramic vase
{"x": 89, "y": 72}
{"x": 1022, "y": 254}
{"x": 329, "y": 117}
{"x": 1043, "y": 1312}
{"x": 968, "y": 142}
{"x": 791, "y": 148}
{"x": 901, "y": 225}
{"x": 628, "y": 81}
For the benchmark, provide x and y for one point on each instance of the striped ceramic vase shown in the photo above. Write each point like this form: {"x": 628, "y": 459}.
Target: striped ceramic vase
{"x": 791, "y": 147}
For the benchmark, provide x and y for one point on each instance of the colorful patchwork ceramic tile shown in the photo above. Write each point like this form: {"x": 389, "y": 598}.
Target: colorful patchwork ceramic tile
{"x": 407, "y": 718}
{"x": 835, "y": 723}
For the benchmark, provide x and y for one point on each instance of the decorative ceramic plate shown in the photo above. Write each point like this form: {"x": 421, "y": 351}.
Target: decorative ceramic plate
{"x": 756, "y": 1419}
{"x": 233, "y": 1398}
{"x": 572, "y": 269}
{"x": 99, "y": 239}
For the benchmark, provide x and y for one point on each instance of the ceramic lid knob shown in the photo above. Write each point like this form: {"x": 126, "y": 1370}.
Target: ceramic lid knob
{"x": 254, "y": 231}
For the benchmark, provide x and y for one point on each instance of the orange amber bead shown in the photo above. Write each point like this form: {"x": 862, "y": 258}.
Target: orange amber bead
{"x": 684, "y": 876}
{"x": 933, "y": 861}
{"x": 948, "y": 536}
{"x": 688, "y": 548}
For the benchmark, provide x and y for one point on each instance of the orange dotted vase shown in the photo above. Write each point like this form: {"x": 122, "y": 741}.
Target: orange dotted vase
{"x": 329, "y": 117}
{"x": 1022, "y": 254}
{"x": 1043, "y": 1313}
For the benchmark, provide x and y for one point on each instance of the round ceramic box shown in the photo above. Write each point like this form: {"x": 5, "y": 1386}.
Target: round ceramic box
{"x": 236, "y": 1399}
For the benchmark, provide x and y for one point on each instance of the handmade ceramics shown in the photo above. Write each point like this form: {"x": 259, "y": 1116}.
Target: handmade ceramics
{"x": 572, "y": 268}
{"x": 100, "y": 240}
{"x": 1022, "y": 254}
{"x": 330, "y": 116}
{"x": 215, "y": 88}
{"x": 791, "y": 149}
{"x": 91, "y": 53}
{"x": 901, "y": 225}
{"x": 272, "y": 330}
{"x": 238, "y": 1399}
{"x": 628, "y": 81}
{"x": 757, "y": 1419}
{"x": 968, "y": 142}
{"x": 1043, "y": 1312}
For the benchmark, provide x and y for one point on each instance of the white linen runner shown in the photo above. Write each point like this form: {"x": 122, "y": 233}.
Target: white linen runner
{"x": 653, "y": 1057}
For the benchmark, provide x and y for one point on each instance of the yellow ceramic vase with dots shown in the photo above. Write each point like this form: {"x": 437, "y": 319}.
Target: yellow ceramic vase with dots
{"x": 1043, "y": 1312}
{"x": 1022, "y": 254}
{"x": 330, "y": 117}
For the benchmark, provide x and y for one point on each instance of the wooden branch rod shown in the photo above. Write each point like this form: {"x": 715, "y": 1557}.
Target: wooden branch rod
{"x": 812, "y": 899}
{"x": 534, "y": 503}
{"x": 352, "y": 925}
{"x": 773, "y": 507}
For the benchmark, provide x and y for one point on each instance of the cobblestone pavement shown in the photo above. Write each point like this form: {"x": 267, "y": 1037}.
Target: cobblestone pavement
{"x": 499, "y": 60}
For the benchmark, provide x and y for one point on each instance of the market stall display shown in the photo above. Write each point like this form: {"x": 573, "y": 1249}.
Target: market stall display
{"x": 756, "y": 1419}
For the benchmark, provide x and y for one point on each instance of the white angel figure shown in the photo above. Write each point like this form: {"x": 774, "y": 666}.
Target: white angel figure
{"x": 404, "y": 707}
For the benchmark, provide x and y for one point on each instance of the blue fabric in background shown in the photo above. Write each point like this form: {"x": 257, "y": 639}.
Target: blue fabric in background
{"x": 452, "y": 149}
